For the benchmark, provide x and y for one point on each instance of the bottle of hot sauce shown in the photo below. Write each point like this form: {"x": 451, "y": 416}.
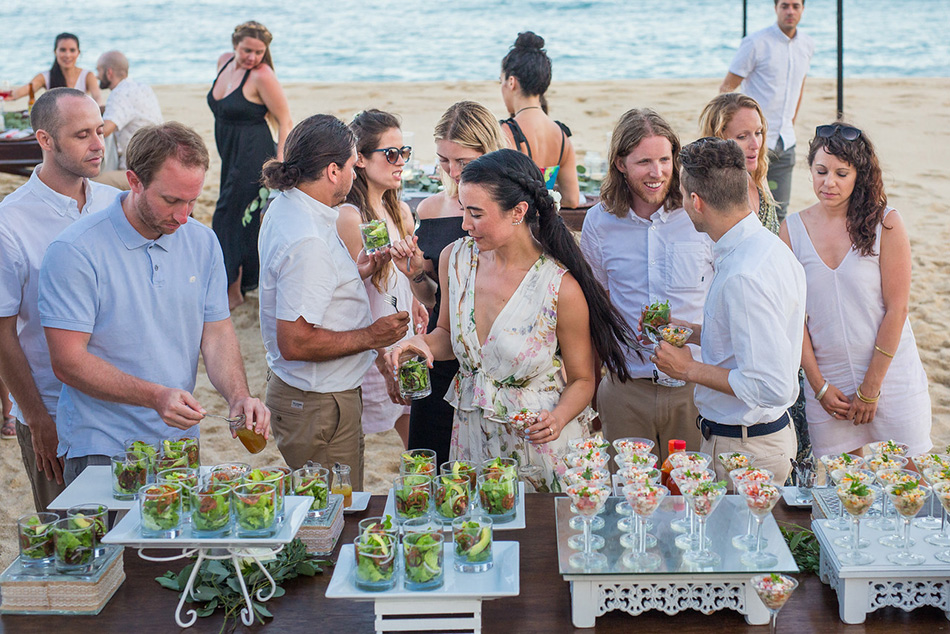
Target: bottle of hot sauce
{"x": 674, "y": 446}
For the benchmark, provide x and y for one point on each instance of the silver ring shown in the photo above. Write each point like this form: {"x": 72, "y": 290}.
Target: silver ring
{"x": 550, "y": 432}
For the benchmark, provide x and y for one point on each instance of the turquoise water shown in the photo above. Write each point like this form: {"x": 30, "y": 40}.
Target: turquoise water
{"x": 178, "y": 41}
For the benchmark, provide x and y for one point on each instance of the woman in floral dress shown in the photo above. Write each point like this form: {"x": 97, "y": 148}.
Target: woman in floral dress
{"x": 523, "y": 316}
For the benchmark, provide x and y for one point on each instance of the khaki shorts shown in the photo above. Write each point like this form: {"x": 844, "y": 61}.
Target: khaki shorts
{"x": 772, "y": 451}
{"x": 317, "y": 426}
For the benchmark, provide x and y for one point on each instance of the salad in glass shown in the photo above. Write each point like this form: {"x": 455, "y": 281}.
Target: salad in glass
{"x": 498, "y": 495}
{"x": 36, "y": 538}
{"x": 375, "y": 235}
{"x": 160, "y": 505}
{"x": 74, "y": 547}
{"x": 423, "y": 554}
{"x": 375, "y": 554}
{"x": 255, "y": 509}
{"x": 211, "y": 509}
{"x": 414, "y": 380}
{"x": 473, "y": 543}
{"x": 412, "y": 495}
{"x": 130, "y": 471}
{"x": 452, "y": 497}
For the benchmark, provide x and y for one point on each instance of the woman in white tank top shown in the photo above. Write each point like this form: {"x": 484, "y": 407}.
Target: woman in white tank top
{"x": 859, "y": 356}
{"x": 64, "y": 72}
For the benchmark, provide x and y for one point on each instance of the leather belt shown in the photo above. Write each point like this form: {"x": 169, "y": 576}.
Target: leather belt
{"x": 711, "y": 428}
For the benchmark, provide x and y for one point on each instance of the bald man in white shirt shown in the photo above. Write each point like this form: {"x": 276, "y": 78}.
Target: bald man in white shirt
{"x": 753, "y": 319}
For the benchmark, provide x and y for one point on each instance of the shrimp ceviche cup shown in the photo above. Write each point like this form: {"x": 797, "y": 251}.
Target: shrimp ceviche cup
{"x": 630, "y": 447}
{"x": 908, "y": 498}
{"x": 735, "y": 460}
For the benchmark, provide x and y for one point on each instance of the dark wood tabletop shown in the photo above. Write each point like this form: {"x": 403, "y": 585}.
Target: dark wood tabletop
{"x": 544, "y": 605}
{"x": 20, "y": 157}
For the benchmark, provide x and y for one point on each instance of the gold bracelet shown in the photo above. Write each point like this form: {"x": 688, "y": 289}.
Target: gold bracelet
{"x": 884, "y": 352}
{"x": 867, "y": 400}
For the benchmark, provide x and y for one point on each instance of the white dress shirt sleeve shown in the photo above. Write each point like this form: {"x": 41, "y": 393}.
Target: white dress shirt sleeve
{"x": 306, "y": 279}
{"x": 591, "y": 249}
{"x": 12, "y": 275}
{"x": 765, "y": 356}
{"x": 744, "y": 61}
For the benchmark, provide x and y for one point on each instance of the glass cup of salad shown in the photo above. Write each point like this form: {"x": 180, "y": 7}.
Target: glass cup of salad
{"x": 161, "y": 505}
{"x": 423, "y": 559}
{"x": 375, "y": 236}
{"x": 417, "y": 462}
{"x": 36, "y": 538}
{"x": 414, "y": 380}
{"x": 74, "y": 547}
{"x": 472, "y": 537}
{"x": 313, "y": 482}
{"x": 275, "y": 477}
{"x": 229, "y": 472}
{"x": 130, "y": 472}
{"x": 255, "y": 509}
{"x": 96, "y": 514}
{"x": 498, "y": 495}
{"x": 461, "y": 468}
{"x": 412, "y": 496}
{"x": 452, "y": 497}
{"x": 187, "y": 447}
{"x": 375, "y": 561}
{"x": 150, "y": 449}
{"x": 211, "y": 509}
{"x": 187, "y": 477}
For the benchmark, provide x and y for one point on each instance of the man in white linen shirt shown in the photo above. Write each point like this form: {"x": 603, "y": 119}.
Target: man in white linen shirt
{"x": 771, "y": 65}
{"x": 642, "y": 247}
{"x": 69, "y": 130}
{"x": 753, "y": 321}
{"x": 315, "y": 315}
{"x": 131, "y": 106}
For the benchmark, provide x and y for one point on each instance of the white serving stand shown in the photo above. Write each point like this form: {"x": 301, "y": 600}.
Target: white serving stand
{"x": 676, "y": 585}
{"x": 517, "y": 523}
{"x": 863, "y": 589}
{"x": 92, "y": 486}
{"x": 128, "y": 532}
{"x": 456, "y": 606}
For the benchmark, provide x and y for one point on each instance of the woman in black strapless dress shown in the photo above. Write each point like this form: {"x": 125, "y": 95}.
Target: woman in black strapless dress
{"x": 244, "y": 92}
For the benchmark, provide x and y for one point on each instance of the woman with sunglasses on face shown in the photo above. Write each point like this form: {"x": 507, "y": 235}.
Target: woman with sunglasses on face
{"x": 466, "y": 131}
{"x": 738, "y": 117}
{"x": 244, "y": 95}
{"x": 523, "y": 314}
{"x": 64, "y": 73}
{"x": 865, "y": 378}
{"x": 380, "y": 159}
{"x": 525, "y": 77}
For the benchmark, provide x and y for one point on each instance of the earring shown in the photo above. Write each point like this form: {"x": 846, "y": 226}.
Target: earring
{"x": 519, "y": 222}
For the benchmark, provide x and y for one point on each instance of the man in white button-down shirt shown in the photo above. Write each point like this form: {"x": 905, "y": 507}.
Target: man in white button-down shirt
{"x": 642, "y": 247}
{"x": 771, "y": 65}
{"x": 754, "y": 317}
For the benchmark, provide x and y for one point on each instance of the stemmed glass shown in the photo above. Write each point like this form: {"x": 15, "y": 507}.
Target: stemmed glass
{"x": 586, "y": 444}
{"x": 630, "y": 446}
{"x": 581, "y": 476}
{"x": 876, "y": 464}
{"x": 735, "y": 460}
{"x": 774, "y": 590}
{"x": 594, "y": 459}
{"x": 703, "y": 499}
{"x": 640, "y": 461}
{"x": 588, "y": 501}
{"x": 889, "y": 447}
{"x": 696, "y": 460}
{"x": 528, "y": 473}
{"x": 885, "y": 477}
{"x": 673, "y": 335}
{"x": 738, "y": 476}
{"x": 686, "y": 477}
{"x": 645, "y": 499}
{"x": 941, "y": 491}
{"x": 844, "y": 461}
{"x": 857, "y": 500}
{"x": 923, "y": 463}
{"x": 761, "y": 498}
{"x": 908, "y": 498}
{"x": 634, "y": 477}
{"x": 841, "y": 523}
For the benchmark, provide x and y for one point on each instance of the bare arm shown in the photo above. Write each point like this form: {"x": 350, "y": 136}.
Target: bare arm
{"x": 301, "y": 341}
{"x": 730, "y": 83}
{"x": 92, "y": 89}
{"x": 799, "y": 104}
{"x": 272, "y": 94}
{"x": 222, "y": 356}
{"x": 348, "y": 228}
{"x": 16, "y": 375}
{"x": 567, "y": 177}
{"x": 74, "y": 365}
{"x": 37, "y": 83}
{"x": 108, "y": 127}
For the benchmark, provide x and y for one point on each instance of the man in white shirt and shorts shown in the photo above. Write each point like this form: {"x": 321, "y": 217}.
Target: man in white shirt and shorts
{"x": 642, "y": 247}
{"x": 771, "y": 65}
{"x": 753, "y": 319}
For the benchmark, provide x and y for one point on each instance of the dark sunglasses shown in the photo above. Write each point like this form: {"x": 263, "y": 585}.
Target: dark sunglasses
{"x": 393, "y": 153}
{"x": 847, "y": 132}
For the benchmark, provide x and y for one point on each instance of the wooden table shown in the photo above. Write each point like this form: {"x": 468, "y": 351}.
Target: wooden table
{"x": 20, "y": 157}
{"x": 544, "y": 604}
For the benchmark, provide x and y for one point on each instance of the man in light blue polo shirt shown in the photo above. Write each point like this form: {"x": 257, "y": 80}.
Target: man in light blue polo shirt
{"x": 129, "y": 297}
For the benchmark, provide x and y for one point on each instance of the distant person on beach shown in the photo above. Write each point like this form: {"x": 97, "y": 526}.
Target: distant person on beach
{"x": 865, "y": 378}
{"x": 525, "y": 77}
{"x": 60, "y": 191}
{"x": 643, "y": 248}
{"x": 244, "y": 95}
{"x": 466, "y": 131}
{"x": 380, "y": 158}
{"x": 524, "y": 316}
{"x": 754, "y": 317}
{"x": 316, "y": 322}
{"x": 128, "y": 298}
{"x": 771, "y": 66}
{"x": 64, "y": 73}
{"x": 130, "y": 106}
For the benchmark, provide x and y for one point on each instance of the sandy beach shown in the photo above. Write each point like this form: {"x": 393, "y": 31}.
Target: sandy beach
{"x": 907, "y": 119}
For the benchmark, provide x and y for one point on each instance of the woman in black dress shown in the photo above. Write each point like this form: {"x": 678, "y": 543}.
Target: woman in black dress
{"x": 466, "y": 131}
{"x": 244, "y": 93}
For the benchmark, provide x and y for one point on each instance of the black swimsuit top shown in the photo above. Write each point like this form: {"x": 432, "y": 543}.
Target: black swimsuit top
{"x": 550, "y": 173}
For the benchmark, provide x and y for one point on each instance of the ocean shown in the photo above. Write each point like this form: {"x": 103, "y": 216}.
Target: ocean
{"x": 178, "y": 41}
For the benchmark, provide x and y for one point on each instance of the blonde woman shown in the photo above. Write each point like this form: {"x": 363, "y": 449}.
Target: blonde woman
{"x": 738, "y": 117}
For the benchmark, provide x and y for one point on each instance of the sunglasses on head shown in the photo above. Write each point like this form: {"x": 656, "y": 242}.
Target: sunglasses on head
{"x": 847, "y": 132}
{"x": 393, "y": 153}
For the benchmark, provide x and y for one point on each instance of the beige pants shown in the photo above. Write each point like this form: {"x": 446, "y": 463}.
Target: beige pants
{"x": 44, "y": 491}
{"x": 772, "y": 451}
{"x": 322, "y": 427}
{"x": 642, "y": 409}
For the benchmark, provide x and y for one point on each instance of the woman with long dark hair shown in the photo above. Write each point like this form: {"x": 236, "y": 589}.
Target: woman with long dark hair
{"x": 525, "y": 77}
{"x": 523, "y": 315}
{"x": 64, "y": 73}
{"x": 865, "y": 379}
